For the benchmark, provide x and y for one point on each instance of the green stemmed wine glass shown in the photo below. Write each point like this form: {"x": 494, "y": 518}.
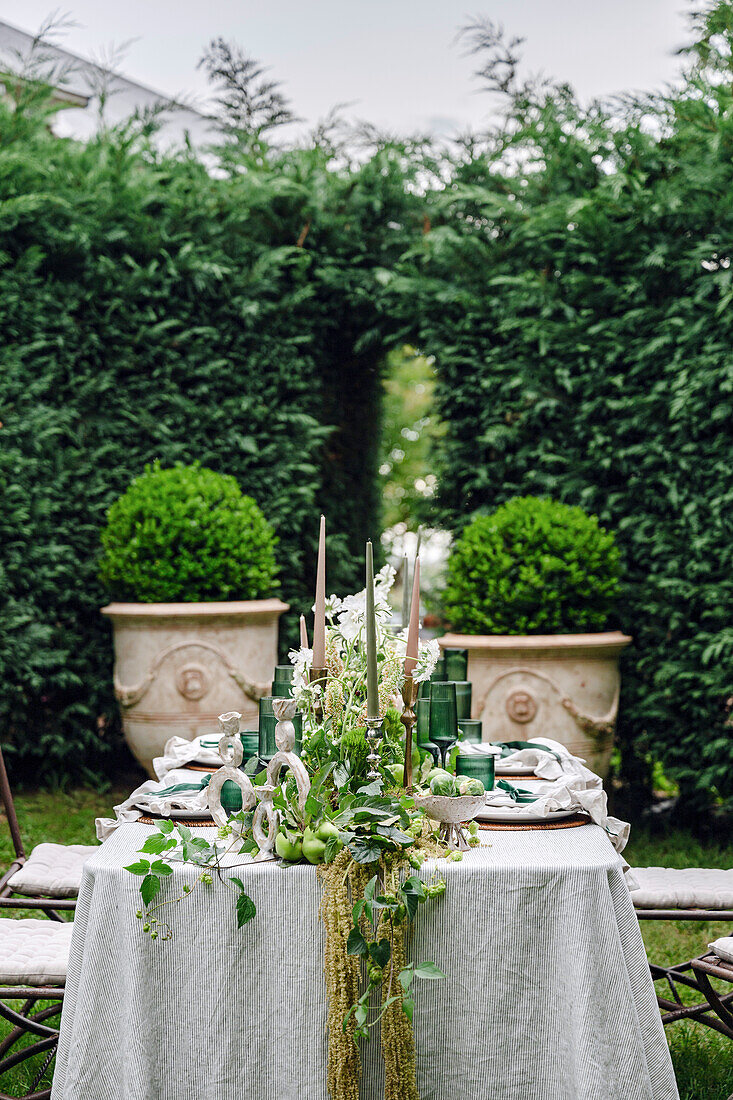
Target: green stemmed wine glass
{"x": 443, "y": 716}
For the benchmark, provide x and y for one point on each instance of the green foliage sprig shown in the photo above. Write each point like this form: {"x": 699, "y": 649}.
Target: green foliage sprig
{"x": 187, "y": 534}
{"x": 531, "y": 567}
{"x": 176, "y": 844}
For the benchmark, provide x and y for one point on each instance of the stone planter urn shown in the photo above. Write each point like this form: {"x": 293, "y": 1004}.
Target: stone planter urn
{"x": 563, "y": 686}
{"x": 179, "y": 665}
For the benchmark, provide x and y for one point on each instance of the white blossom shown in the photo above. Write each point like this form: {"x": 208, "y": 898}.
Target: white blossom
{"x": 427, "y": 658}
{"x": 302, "y": 660}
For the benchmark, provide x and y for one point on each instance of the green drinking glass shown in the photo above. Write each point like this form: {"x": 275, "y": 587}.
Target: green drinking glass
{"x": 231, "y": 797}
{"x": 250, "y": 744}
{"x": 456, "y": 663}
{"x": 471, "y": 729}
{"x": 268, "y": 721}
{"x": 282, "y": 682}
{"x": 464, "y": 689}
{"x": 443, "y": 716}
{"x": 477, "y": 767}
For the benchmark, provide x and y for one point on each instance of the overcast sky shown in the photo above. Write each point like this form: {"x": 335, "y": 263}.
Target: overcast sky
{"x": 396, "y": 61}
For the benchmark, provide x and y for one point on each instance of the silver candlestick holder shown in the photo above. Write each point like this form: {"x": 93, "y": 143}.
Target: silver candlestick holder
{"x": 374, "y": 737}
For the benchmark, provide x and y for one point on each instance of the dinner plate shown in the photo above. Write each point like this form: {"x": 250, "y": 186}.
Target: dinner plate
{"x": 525, "y": 815}
{"x": 512, "y": 769}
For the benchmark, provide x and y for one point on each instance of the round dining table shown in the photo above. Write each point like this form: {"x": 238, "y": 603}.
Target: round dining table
{"x": 547, "y": 992}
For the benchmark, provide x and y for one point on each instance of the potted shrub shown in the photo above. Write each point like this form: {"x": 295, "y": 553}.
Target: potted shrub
{"x": 530, "y": 590}
{"x": 192, "y": 561}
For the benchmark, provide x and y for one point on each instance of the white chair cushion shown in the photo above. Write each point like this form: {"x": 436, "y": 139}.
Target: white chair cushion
{"x": 52, "y": 870}
{"x": 34, "y": 952}
{"x": 691, "y": 888}
{"x": 723, "y": 948}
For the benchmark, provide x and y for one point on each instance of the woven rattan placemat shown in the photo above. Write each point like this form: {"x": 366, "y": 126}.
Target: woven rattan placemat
{"x": 210, "y": 768}
{"x": 193, "y": 823}
{"x": 497, "y": 826}
{"x": 507, "y": 826}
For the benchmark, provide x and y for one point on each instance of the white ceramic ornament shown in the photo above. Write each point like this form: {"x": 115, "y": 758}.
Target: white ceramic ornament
{"x": 285, "y": 756}
{"x": 231, "y": 751}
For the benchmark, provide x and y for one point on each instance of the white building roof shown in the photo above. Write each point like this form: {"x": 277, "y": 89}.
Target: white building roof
{"x": 82, "y": 82}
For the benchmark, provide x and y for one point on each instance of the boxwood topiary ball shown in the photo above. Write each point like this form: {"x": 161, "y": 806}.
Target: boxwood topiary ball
{"x": 187, "y": 534}
{"x": 533, "y": 566}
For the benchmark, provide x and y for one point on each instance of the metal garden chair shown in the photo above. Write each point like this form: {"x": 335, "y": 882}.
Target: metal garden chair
{"x": 49, "y": 878}
{"x": 34, "y": 953}
{"x": 34, "y": 957}
{"x": 690, "y": 894}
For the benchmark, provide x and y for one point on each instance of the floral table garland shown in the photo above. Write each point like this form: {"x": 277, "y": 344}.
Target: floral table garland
{"x": 366, "y": 835}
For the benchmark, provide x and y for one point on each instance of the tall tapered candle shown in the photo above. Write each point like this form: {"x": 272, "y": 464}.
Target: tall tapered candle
{"x": 371, "y": 638}
{"x": 405, "y": 592}
{"x": 303, "y": 633}
{"x": 419, "y": 540}
{"x": 319, "y": 611}
{"x": 414, "y": 629}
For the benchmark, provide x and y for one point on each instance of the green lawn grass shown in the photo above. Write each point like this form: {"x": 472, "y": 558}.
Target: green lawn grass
{"x": 703, "y": 1060}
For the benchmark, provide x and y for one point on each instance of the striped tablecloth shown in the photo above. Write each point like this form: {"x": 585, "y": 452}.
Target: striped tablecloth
{"x": 548, "y": 993}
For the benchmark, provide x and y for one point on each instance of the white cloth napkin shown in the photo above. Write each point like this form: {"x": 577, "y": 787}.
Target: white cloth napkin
{"x": 148, "y": 799}
{"x": 723, "y": 948}
{"x": 570, "y": 792}
{"x": 178, "y": 752}
{"x": 547, "y": 766}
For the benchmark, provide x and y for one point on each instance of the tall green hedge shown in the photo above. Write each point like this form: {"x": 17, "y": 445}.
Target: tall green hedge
{"x": 153, "y": 308}
{"x": 577, "y": 293}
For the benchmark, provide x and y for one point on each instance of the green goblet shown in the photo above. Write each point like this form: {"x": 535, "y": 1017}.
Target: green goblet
{"x": 456, "y": 663}
{"x": 422, "y": 709}
{"x": 464, "y": 690}
{"x": 443, "y": 716}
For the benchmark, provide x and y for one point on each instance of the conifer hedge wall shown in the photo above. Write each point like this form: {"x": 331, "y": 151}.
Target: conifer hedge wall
{"x": 576, "y": 290}
{"x": 151, "y": 308}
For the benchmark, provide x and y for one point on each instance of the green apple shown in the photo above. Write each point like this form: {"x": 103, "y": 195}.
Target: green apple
{"x": 325, "y": 830}
{"x": 314, "y": 849}
{"x": 289, "y": 846}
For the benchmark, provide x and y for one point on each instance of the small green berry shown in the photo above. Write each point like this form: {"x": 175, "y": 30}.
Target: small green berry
{"x": 186, "y": 888}
{"x": 153, "y": 935}
{"x": 223, "y": 831}
{"x": 146, "y": 927}
{"x": 456, "y": 856}
{"x": 206, "y": 878}
{"x": 474, "y": 841}
{"x": 139, "y": 914}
